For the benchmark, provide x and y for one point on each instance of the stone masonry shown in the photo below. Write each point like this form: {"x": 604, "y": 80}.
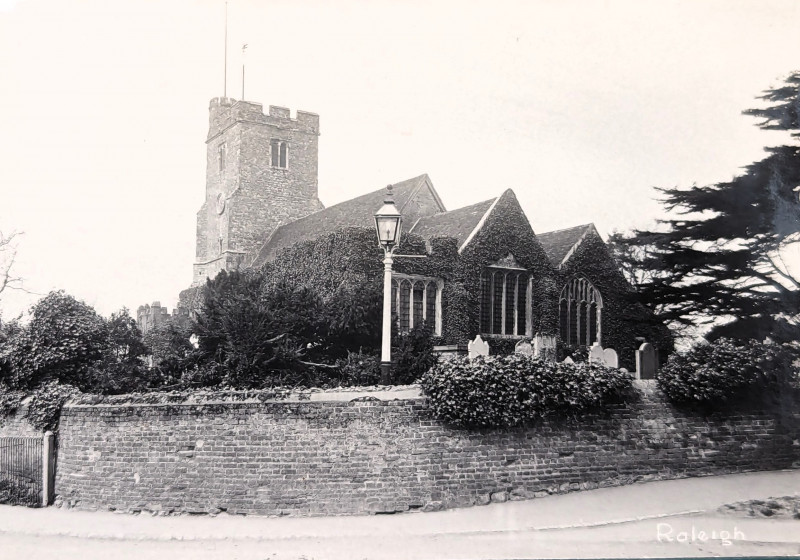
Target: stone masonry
{"x": 370, "y": 456}
{"x": 247, "y": 194}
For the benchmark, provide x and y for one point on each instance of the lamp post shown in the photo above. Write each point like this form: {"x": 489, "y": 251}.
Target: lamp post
{"x": 387, "y": 224}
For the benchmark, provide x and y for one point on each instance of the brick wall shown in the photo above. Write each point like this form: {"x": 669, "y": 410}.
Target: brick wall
{"x": 313, "y": 458}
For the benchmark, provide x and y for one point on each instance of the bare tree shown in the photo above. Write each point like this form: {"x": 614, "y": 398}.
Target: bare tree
{"x": 8, "y": 255}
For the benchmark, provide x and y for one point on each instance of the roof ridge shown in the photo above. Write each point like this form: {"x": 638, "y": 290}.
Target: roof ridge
{"x": 566, "y": 228}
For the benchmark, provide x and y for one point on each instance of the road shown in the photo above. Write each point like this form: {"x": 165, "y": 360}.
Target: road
{"x": 668, "y": 519}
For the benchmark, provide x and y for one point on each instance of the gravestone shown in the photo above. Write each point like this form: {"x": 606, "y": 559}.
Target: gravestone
{"x": 646, "y": 364}
{"x": 596, "y": 353}
{"x": 544, "y": 346}
{"x": 606, "y": 357}
{"x": 478, "y": 347}
{"x": 610, "y": 357}
{"x": 568, "y": 360}
{"x": 523, "y": 347}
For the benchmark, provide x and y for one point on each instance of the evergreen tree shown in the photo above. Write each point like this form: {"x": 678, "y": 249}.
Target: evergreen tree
{"x": 719, "y": 253}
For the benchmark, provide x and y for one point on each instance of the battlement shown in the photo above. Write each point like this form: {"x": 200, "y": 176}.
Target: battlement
{"x": 224, "y": 112}
{"x": 150, "y": 316}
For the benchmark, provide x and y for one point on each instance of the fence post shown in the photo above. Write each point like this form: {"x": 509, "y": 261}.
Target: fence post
{"x": 47, "y": 468}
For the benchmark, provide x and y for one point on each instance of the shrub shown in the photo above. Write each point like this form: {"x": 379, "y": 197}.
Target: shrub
{"x": 172, "y": 354}
{"x": 725, "y": 371}
{"x": 44, "y": 408}
{"x": 514, "y": 390}
{"x": 10, "y": 400}
{"x": 359, "y": 369}
{"x": 64, "y": 338}
{"x": 412, "y": 355}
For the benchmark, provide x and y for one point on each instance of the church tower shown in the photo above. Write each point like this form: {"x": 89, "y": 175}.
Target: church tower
{"x": 261, "y": 172}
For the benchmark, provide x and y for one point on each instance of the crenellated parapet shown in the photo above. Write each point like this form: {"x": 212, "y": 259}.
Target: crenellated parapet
{"x": 225, "y": 112}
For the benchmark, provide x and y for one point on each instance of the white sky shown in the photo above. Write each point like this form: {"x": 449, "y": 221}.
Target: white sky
{"x": 581, "y": 107}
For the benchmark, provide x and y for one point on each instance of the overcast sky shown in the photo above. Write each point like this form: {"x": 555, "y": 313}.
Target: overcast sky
{"x": 580, "y": 107}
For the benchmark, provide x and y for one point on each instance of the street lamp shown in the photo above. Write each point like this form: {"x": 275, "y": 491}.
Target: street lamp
{"x": 387, "y": 223}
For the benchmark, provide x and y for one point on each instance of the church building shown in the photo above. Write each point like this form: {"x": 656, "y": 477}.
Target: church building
{"x": 480, "y": 269}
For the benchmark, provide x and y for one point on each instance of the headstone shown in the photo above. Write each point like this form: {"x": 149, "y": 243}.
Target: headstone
{"x": 523, "y": 347}
{"x": 544, "y": 346}
{"x": 568, "y": 360}
{"x": 610, "y": 357}
{"x": 606, "y": 357}
{"x": 478, "y": 347}
{"x": 596, "y": 353}
{"x": 646, "y": 364}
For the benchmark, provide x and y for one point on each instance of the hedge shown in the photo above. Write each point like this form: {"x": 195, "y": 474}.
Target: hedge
{"x": 514, "y": 390}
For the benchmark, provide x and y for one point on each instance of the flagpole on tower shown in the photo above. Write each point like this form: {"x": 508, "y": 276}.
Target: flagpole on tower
{"x": 225, "y": 84}
{"x": 244, "y": 48}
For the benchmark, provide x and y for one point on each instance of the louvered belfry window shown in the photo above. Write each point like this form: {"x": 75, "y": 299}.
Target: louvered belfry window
{"x": 416, "y": 300}
{"x": 580, "y": 313}
{"x": 505, "y": 301}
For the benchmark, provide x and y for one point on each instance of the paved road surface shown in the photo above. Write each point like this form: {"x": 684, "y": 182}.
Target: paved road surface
{"x": 667, "y": 518}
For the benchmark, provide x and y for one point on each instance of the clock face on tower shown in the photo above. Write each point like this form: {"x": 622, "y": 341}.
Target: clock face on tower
{"x": 220, "y": 203}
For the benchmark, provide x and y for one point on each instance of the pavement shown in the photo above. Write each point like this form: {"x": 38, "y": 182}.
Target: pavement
{"x": 673, "y": 518}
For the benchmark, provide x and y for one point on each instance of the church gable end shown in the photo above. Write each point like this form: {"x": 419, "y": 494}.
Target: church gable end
{"x": 504, "y": 272}
{"x": 623, "y": 318}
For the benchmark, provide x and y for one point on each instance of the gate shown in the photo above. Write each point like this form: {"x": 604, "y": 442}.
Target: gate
{"x": 22, "y": 471}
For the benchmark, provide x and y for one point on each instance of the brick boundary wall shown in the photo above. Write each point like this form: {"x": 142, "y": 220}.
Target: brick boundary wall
{"x": 371, "y": 456}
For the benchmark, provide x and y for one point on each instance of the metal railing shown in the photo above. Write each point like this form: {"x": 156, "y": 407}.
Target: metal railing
{"x": 26, "y": 469}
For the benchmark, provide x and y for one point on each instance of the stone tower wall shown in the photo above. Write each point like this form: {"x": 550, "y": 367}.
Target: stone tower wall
{"x": 258, "y": 196}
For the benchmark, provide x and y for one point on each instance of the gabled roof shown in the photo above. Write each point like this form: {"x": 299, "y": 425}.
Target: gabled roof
{"x": 562, "y": 243}
{"x": 459, "y": 223}
{"x": 356, "y": 212}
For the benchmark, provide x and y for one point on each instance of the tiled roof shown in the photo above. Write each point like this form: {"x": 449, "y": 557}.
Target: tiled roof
{"x": 456, "y": 223}
{"x": 557, "y": 244}
{"x": 356, "y": 212}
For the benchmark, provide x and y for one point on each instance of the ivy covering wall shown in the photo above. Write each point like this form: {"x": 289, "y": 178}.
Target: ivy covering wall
{"x": 623, "y": 318}
{"x": 352, "y": 256}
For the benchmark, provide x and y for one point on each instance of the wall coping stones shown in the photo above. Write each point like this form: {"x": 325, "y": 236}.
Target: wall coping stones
{"x": 340, "y": 394}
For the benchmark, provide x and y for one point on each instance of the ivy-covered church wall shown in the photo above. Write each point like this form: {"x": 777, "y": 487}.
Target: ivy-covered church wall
{"x": 352, "y": 256}
{"x": 623, "y": 317}
{"x": 505, "y": 231}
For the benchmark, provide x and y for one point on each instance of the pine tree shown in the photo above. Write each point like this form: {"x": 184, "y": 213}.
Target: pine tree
{"x": 718, "y": 255}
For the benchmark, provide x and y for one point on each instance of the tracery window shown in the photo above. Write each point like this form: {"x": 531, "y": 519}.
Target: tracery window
{"x": 505, "y": 301}
{"x": 417, "y": 300}
{"x": 580, "y": 313}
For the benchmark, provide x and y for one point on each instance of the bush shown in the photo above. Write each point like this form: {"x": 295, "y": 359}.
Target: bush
{"x": 514, "y": 390}
{"x": 173, "y": 357}
{"x": 726, "y": 370}
{"x": 44, "y": 408}
{"x": 412, "y": 355}
{"x": 10, "y": 400}
{"x": 359, "y": 369}
{"x": 64, "y": 338}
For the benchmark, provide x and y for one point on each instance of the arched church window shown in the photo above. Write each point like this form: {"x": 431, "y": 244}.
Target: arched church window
{"x": 416, "y": 300}
{"x": 279, "y": 153}
{"x": 504, "y": 301}
{"x": 580, "y": 313}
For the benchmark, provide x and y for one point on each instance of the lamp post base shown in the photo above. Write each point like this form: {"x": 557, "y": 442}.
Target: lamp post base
{"x": 386, "y": 373}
